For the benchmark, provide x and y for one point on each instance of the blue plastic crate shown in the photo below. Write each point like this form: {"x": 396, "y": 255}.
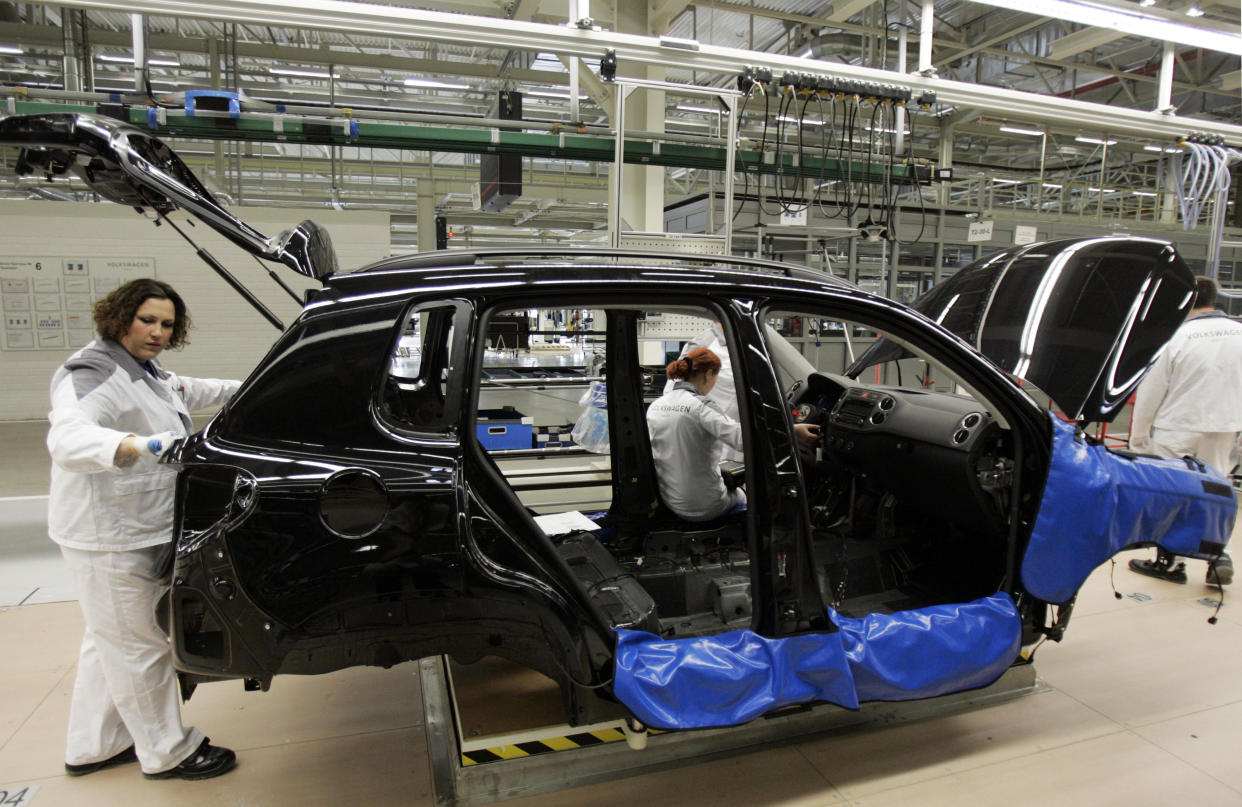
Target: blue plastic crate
{"x": 500, "y": 429}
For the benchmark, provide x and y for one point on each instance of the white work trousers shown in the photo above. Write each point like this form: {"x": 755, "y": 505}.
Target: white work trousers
{"x": 126, "y": 690}
{"x": 1214, "y": 448}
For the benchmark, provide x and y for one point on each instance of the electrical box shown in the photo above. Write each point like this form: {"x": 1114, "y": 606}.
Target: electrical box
{"x": 500, "y": 175}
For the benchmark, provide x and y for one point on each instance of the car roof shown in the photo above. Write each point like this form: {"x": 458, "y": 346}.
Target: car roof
{"x": 455, "y": 268}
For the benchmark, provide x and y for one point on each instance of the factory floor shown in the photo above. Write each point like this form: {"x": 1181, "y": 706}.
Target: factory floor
{"x": 1141, "y": 705}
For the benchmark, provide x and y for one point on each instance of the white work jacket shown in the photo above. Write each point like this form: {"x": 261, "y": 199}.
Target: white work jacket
{"x": 687, "y": 432}
{"x": 1196, "y": 384}
{"x": 100, "y": 395}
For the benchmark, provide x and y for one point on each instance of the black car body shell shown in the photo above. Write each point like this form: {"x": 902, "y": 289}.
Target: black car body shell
{"x": 314, "y": 534}
{"x": 455, "y": 567}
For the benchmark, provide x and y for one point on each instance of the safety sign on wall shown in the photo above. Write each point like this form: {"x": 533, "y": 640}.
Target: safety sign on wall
{"x": 47, "y": 300}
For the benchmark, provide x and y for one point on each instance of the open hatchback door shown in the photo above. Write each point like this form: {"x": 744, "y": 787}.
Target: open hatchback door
{"x": 1080, "y": 319}
{"x": 126, "y": 165}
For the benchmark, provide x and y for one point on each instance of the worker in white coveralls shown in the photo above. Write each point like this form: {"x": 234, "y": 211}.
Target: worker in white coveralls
{"x": 115, "y": 411}
{"x": 688, "y": 429}
{"x": 1190, "y": 405}
{"x": 724, "y": 393}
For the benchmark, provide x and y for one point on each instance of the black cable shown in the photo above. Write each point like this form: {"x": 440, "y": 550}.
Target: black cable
{"x": 870, "y": 185}
{"x": 825, "y": 136}
{"x": 838, "y": 117}
{"x": 782, "y": 110}
{"x": 918, "y": 189}
{"x": 745, "y": 175}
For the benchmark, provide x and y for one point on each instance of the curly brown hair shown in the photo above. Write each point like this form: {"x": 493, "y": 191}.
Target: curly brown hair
{"x": 699, "y": 360}
{"x": 115, "y": 313}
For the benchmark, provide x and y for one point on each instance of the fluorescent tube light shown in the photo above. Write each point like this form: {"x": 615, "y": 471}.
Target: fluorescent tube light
{"x": 1016, "y": 130}
{"x": 108, "y": 57}
{"x": 1104, "y": 190}
{"x": 1095, "y": 141}
{"x": 999, "y": 181}
{"x": 1147, "y": 3}
{"x": 1194, "y": 11}
{"x": 692, "y": 108}
{"x": 1052, "y": 185}
{"x": 435, "y": 85}
{"x": 1165, "y": 149}
{"x": 10, "y": 49}
{"x": 1143, "y": 193}
{"x": 804, "y": 121}
{"x": 280, "y": 71}
{"x": 1129, "y": 21}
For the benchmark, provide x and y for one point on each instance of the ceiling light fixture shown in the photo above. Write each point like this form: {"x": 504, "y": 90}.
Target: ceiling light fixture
{"x": 1016, "y": 130}
{"x": 1129, "y": 21}
{"x": 108, "y": 57}
{"x": 435, "y": 85}
{"x": 1142, "y": 193}
{"x": 10, "y": 49}
{"x": 564, "y": 96}
{"x": 1096, "y": 141}
{"x": 1147, "y": 3}
{"x": 1195, "y": 11}
{"x": 693, "y": 108}
{"x": 1165, "y": 149}
{"x": 281, "y": 71}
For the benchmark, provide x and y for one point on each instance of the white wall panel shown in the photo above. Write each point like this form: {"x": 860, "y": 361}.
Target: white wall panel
{"x": 229, "y": 337}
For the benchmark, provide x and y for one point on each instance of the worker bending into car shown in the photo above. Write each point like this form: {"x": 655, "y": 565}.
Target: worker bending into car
{"x": 115, "y": 412}
{"x": 688, "y": 430}
{"x": 1190, "y": 405}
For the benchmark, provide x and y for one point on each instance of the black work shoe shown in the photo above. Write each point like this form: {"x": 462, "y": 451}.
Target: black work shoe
{"x": 208, "y": 761}
{"x": 119, "y": 758}
{"x": 1161, "y": 569}
{"x": 1220, "y": 571}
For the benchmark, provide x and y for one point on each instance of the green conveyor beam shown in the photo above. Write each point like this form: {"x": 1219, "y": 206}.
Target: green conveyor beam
{"x": 263, "y": 127}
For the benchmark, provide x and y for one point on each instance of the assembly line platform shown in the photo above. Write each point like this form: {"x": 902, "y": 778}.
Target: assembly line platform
{"x": 494, "y": 731}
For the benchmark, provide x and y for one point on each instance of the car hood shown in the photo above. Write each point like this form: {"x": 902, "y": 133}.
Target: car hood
{"x": 124, "y": 164}
{"x": 1081, "y": 319}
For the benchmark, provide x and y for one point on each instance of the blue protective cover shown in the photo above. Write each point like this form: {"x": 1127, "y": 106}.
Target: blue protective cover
{"x": 730, "y": 678}
{"x": 1097, "y": 503}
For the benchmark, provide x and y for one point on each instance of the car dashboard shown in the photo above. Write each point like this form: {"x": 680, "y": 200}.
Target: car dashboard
{"x": 897, "y": 474}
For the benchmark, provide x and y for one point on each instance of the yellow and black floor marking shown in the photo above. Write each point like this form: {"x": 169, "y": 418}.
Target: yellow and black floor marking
{"x": 544, "y": 746}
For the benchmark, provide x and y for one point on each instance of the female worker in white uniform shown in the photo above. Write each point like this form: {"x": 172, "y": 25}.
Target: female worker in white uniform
{"x": 723, "y": 393}
{"x": 687, "y": 431}
{"x": 115, "y": 411}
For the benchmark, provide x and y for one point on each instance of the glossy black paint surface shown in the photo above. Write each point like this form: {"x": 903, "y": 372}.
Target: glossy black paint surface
{"x": 456, "y": 566}
{"x": 1081, "y": 319}
{"x": 126, "y": 165}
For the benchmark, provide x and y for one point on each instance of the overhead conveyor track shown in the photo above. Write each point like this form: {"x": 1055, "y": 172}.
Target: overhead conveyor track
{"x": 265, "y": 127}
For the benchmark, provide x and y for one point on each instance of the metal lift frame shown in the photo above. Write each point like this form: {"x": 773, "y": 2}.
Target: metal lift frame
{"x": 460, "y": 782}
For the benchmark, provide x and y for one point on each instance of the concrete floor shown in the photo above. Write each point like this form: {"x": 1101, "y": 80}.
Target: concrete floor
{"x": 1142, "y": 706}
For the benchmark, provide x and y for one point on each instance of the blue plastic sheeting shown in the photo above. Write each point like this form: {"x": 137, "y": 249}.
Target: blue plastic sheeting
{"x": 1097, "y": 503}
{"x": 932, "y": 651}
{"x": 730, "y": 678}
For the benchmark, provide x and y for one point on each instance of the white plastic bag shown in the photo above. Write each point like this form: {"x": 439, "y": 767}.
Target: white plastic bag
{"x": 591, "y": 429}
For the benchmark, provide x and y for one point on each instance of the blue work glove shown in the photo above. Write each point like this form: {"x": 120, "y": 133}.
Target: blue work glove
{"x": 156, "y": 445}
